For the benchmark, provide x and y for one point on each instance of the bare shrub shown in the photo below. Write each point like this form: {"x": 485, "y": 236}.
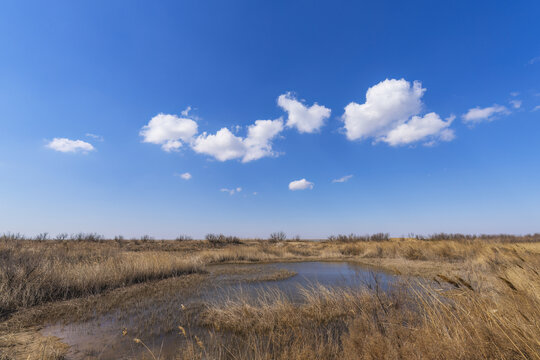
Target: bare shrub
{"x": 62, "y": 236}
{"x": 222, "y": 240}
{"x": 42, "y": 236}
{"x": 277, "y": 236}
{"x": 11, "y": 237}
{"x": 359, "y": 238}
{"x": 90, "y": 237}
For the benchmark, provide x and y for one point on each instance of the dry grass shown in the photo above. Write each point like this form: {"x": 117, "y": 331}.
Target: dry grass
{"x": 353, "y": 324}
{"x": 492, "y": 309}
{"x": 412, "y": 321}
{"x": 35, "y": 273}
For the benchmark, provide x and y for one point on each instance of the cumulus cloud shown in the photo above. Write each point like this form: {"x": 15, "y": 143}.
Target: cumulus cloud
{"x": 185, "y": 176}
{"x": 224, "y": 145}
{"x": 479, "y": 114}
{"x": 342, "y": 179}
{"x": 169, "y": 131}
{"x": 259, "y": 140}
{"x": 418, "y": 128}
{"x": 67, "y": 145}
{"x": 391, "y": 114}
{"x": 301, "y": 184}
{"x": 516, "y": 103}
{"x": 304, "y": 119}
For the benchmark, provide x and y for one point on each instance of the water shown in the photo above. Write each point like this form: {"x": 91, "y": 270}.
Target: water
{"x": 155, "y": 318}
{"x": 331, "y": 274}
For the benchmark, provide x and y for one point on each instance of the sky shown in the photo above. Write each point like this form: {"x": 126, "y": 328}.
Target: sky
{"x": 248, "y": 117}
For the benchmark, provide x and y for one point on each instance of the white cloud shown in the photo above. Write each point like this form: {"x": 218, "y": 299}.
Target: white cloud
{"x": 185, "y": 112}
{"x": 389, "y": 103}
{"x": 514, "y": 93}
{"x": 305, "y": 119}
{"x": 390, "y": 114}
{"x": 479, "y": 114}
{"x": 185, "y": 176}
{"x": 67, "y": 145}
{"x": 169, "y": 131}
{"x": 537, "y": 107}
{"x": 342, "y": 179}
{"x": 231, "y": 191}
{"x": 418, "y": 128}
{"x": 224, "y": 145}
{"x": 516, "y": 103}
{"x": 236, "y": 128}
{"x": 302, "y": 184}
{"x": 95, "y": 137}
{"x": 259, "y": 140}
{"x": 534, "y": 60}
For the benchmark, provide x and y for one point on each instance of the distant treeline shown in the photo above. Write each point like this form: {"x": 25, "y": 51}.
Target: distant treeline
{"x": 438, "y": 237}
{"x": 220, "y": 239}
{"x": 468, "y": 237}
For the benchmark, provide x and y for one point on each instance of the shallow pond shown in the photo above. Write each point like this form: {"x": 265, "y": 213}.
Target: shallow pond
{"x": 155, "y": 319}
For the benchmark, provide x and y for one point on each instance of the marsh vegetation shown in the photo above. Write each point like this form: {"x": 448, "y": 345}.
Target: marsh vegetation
{"x": 452, "y": 297}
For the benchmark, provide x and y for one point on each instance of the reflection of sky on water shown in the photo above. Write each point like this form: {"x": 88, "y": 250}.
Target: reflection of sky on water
{"x": 155, "y": 320}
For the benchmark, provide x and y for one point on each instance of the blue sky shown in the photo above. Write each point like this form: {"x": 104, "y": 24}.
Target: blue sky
{"x": 424, "y": 109}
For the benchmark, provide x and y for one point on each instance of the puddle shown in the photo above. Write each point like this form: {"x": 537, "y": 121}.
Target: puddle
{"x": 306, "y": 274}
{"x": 156, "y": 320}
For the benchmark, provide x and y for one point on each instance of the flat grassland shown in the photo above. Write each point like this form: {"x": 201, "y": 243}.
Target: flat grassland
{"x": 487, "y": 304}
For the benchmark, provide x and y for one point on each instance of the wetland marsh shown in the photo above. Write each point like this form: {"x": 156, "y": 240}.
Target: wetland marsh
{"x": 341, "y": 298}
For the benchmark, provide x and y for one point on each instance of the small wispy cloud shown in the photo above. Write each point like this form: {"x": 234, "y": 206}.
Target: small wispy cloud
{"x": 479, "y": 114}
{"x": 301, "y": 184}
{"x": 534, "y": 60}
{"x": 516, "y": 103}
{"x": 186, "y": 111}
{"x": 95, "y": 137}
{"x": 185, "y": 176}
{"x": 70, "y": 146}
{"x": 231, "y": 191}
{"x": 342, "y": 179}
{"x": 537, "y": 107}
{"x": 514, "y": 93}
